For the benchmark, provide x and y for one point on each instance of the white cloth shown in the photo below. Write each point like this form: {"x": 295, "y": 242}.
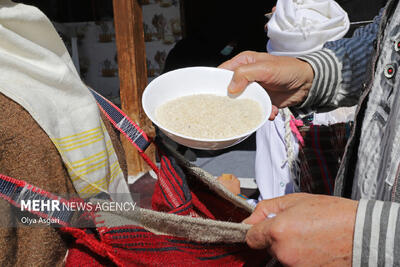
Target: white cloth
{"x": 299, "y": 27}
{"x": 273, "y": 177}
{"x": 339, "y": 115}
{"x": 296, "y": 28}
{"x": 272, "y": 171}
{"x": 37, "y": 72}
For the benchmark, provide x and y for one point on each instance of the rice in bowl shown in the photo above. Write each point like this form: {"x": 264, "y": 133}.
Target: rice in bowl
{"x": 207, "y": 116}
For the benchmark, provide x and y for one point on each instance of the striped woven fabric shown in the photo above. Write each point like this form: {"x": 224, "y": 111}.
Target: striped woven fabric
{"x": 320, "y": 156}
{"x": 132, "y": 246}
{"x": 136, "y": 136}
{"x": 15, "y": 191}
{"x": 98, "y": 169}
{"x": 122, "y": 122}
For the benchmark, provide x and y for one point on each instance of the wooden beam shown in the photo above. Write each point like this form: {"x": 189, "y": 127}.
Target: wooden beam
{"x": 132, "y": 75}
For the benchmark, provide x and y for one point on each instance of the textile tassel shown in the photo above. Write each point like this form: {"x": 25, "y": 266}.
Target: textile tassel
{"x": 291, "y": 125}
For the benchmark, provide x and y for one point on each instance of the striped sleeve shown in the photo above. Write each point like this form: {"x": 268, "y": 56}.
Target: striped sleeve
{"x": 340, "y": 70}
{"x": 377, "y": 234}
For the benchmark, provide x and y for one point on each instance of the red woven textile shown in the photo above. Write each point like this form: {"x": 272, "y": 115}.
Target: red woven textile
{"x": 135, "y": 246}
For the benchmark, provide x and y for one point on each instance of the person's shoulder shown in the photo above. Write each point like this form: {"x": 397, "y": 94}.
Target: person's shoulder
{"x": 12, "y": 114}
{"x": 16, "y": 124}
{"x": 9, "y": 109}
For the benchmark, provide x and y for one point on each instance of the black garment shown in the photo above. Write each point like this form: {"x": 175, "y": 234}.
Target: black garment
{"x": 211, "y": 25}
{"x": 360, "y": 10}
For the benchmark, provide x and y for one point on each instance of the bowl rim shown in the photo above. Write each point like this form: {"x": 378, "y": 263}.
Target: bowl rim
{"x": 233, "y": 138}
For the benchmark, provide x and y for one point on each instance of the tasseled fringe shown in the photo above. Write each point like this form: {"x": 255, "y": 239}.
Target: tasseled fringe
{"x": 293, "y": 161}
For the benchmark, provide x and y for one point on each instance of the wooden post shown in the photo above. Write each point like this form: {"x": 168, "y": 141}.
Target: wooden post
{"x": 132, "y": 75}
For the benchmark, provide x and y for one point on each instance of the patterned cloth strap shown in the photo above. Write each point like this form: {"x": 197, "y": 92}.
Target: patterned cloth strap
{"x": 126, "y": 126}
{"x": 23, "y": 195}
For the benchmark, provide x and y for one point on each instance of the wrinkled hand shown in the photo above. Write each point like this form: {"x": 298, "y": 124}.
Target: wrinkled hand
{"x": 308, "y": 230}
{"x": 286, "y": 79}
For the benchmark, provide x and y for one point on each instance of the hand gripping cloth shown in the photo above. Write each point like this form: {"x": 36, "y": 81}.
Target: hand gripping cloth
{"x": 299, "y": 27}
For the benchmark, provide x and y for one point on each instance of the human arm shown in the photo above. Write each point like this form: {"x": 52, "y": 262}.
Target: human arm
{"x": 286, "y": 79}
{"x": 341, "y": 70}
{"x": 377, "y": 234}
{"x": 320, "y": 81}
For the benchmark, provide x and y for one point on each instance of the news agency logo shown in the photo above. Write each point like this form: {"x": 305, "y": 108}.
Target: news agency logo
{"x": 40, "y": 205}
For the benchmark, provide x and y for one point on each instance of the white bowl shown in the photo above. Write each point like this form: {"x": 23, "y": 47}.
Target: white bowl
{"x": 199, "y": 80}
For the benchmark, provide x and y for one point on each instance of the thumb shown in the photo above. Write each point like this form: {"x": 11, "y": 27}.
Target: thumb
{"x": 246, "y": 74}
{"x": 258, "y": 236}
{"x": 237, "y": 85}
{"x": 273, "y": 206}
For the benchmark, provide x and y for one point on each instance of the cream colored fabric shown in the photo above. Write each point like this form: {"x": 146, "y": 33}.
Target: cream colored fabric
{"x": 36, "y": 71}
{"x": 299, "y": 27}
{"x": 194, "y": 229}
